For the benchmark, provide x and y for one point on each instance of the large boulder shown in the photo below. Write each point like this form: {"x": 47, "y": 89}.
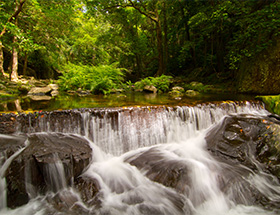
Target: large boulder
{"x": 170, "y": 173}
{"x": 50, "y": 162}
{"x": 248, "y": 147}
{"x": 241, "y": 139}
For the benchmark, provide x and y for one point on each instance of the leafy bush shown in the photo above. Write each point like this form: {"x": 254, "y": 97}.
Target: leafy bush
{"x": 162, "y": 83}
{"x": 98, "y": 79}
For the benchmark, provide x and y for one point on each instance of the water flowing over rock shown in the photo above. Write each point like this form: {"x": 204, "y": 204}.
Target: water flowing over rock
{"x": 250, "y": 144}
{"x": 49, "y": 162}
{"x": 214, "y": 158}
{"x": 118, "y": 130}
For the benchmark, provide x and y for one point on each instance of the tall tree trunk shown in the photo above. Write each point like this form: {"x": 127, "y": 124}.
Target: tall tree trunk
{"x": 25, "y": 64}
{"x": 18, "y": 9}
{"x": 2, "y": 73}
{"x": 165, "y": 43}
{"x": 220, "y": 53}
{"x": 14, "y": 72}
{"x": 161, "y": 66}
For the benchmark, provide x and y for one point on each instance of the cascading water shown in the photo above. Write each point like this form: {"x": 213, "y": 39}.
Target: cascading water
{"x": 149, "y": 160}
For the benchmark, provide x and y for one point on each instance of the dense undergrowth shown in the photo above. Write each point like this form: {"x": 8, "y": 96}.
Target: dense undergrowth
{"x": 105, "y": 79}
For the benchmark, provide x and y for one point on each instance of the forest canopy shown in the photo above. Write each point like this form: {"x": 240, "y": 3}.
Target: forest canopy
{"x": 134, "y": 39}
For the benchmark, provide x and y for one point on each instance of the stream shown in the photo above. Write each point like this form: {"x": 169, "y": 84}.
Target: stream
{"x": 153, "y": 160}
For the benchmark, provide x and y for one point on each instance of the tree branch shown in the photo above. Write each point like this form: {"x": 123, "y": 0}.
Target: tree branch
{"x": 143, "y": 12}
{"x": 14, "y": 15}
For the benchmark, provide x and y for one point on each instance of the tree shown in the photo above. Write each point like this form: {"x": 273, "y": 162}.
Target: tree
{"x": 152, "y": 11}
{"x": 14, "y": 16}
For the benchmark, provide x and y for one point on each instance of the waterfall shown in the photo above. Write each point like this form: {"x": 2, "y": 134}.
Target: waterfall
{"x": 5, "y": 162}
{"x": 119, "y": 130}
{"x": 147, "y": 160}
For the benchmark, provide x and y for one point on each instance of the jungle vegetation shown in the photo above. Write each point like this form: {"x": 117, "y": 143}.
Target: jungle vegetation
{"x": 100, "y": 45}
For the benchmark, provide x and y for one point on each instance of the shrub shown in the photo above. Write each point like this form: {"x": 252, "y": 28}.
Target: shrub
{"x": 162, "y": 83}
{"x": 98, "y": 79}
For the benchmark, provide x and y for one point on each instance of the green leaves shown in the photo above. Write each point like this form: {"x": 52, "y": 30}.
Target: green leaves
{"x": 162, "y": 82}
{"x": 98, "y": 79}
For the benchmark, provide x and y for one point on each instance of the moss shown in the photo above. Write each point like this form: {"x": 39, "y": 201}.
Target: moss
{"x": 272, "y": 103}
{"x": 4, "y": 95}
{"x": 261, "y": 74}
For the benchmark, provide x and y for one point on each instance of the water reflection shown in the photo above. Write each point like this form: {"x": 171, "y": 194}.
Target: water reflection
{"x": 114, "y": 100}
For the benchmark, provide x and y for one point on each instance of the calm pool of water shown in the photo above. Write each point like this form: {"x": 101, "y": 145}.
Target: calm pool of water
{"x": 114, "y": 100}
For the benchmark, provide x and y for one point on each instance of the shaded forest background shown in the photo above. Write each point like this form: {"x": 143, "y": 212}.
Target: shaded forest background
{"x": 93, "y": 43}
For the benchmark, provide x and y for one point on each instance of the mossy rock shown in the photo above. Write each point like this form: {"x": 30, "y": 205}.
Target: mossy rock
{"x": 5, "y": 95}
{"x": 191, "y": 93}
{"x": 272, "y": 103}
{"x": 176, "y": 93}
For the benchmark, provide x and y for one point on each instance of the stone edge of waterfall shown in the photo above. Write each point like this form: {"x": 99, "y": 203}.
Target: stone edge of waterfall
{"x": 9, "y": 122}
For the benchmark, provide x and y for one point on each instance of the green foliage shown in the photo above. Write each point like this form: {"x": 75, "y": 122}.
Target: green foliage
{"x": 272, "y": 103}
{"x": 162, "y": 83}
{"x": 98, "y": 79}
{"x": 198, "y": 39}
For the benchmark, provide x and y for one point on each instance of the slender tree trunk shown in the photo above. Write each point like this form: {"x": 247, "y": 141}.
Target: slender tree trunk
{"x": 160, "y": 50}
{"x": 18, "y": 9}
{"x": 220, "y": 53}
{"x": 2, "y": 73}
{"x": 14, "y": 72}
{"x": 165, "y": 43}
{"x": 18, "y": 106}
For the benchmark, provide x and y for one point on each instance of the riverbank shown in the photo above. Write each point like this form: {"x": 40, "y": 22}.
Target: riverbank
{"x": 19, "y": 97}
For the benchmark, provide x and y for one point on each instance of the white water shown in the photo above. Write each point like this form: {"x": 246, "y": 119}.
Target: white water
{"x": 5, "y": 163}
{"x": 177, "y": 136}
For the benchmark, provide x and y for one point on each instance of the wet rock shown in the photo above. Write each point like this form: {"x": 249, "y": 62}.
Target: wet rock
{"x": 81, "y": 92}
{"x": 53, "y": 86}
{"x": 39, "y": 91}
{"x": 50, "y": 162}
{"x": 170, "y": 173}
{"x": 150, "y": 89}
{"x": 67, "y": 202}
{"x": 7, "y": 123}
{"x": 88, "y": 188}
{"x": 55, "y": 93}
{"x": 177, "y": 91}
{"x": 244, "y": 138}
{"x": 248, "y": 147}
{"x": 117, "y": 91}
{"x": 9, "y": 144}
{"x": 40, "y": 98}
{"x": 180, "y": 89}
{"x": 191, "y": 93}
